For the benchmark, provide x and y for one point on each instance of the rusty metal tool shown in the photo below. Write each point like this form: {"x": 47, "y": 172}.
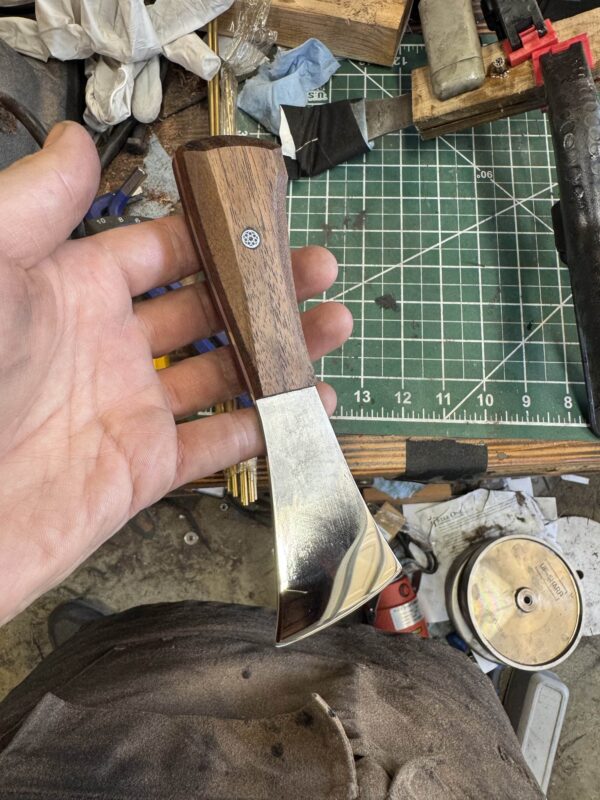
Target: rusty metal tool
{"x": 574, "y": 115}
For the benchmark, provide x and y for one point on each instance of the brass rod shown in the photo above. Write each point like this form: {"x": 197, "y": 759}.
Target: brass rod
{"x": 213, "y": 84}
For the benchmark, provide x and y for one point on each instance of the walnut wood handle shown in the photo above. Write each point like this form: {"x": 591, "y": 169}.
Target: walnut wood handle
{"x": 233, "y": 191}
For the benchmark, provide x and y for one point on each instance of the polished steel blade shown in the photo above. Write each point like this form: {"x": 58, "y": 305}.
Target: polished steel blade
{"x": 388, "y": 115}
{"x": 331, "y": 556}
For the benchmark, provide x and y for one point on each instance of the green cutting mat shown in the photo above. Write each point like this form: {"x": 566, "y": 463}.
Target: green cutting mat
{"x": 463, "y": 318}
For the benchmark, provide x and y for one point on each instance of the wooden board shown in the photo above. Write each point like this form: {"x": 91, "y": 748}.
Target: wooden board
{"x": 430, "y": 493}
{"x": 373, "y": 456}
{"x": 365, "y": 30}
{"x": 497, "y": 97}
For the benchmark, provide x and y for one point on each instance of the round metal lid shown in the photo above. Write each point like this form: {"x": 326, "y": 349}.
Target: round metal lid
{"x": 461, "y": 626}
{"x": 523, "y": 601}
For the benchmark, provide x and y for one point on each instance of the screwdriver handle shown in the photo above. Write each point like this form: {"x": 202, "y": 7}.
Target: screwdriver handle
{"x": 233, "y": 191}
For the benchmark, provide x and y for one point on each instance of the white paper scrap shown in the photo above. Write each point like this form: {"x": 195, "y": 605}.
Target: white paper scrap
{"x": 520, "y": 485}
{"x": 549, "y": 511}
{"x": 484, "y": 664}
{"x": 576, "y": 478}
{"x": 579, "y": 540}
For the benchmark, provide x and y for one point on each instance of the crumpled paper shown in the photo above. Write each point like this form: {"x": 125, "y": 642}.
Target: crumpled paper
{"x": 121, "y": 41}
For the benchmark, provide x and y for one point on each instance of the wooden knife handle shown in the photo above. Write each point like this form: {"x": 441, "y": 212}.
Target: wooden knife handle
{"x": 233, "y": 191}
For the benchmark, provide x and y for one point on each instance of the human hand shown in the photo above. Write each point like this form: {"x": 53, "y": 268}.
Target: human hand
{"x": 87, "y": 426}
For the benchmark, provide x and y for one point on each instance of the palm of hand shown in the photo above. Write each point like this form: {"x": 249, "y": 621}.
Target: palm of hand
{"x": 91, "y": 438}
{"x": 87, "y": 426}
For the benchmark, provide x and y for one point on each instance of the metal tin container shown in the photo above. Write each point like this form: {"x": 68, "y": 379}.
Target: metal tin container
{"x": 516, "y": 600}
{"x": 453, "y": 47}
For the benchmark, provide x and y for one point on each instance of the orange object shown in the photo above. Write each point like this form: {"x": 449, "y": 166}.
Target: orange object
{"x": 397, "y": 609}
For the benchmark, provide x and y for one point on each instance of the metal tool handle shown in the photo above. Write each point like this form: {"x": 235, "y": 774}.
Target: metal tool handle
{"x": 574, "y": 114}
{"x": 233, "y": 191}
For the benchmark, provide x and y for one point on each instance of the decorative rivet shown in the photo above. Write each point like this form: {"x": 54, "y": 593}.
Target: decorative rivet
{"x": 250, "y": 238}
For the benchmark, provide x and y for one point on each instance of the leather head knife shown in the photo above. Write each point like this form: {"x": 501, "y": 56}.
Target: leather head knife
{"x": 331, "y": 556}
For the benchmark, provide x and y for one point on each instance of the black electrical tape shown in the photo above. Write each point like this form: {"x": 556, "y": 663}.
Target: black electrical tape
{"x": 324, "y": 136}
{"x": 444, "y": 458}
{"x": 561, "y": 9}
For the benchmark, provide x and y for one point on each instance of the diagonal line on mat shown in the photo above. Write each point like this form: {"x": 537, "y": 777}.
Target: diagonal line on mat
{"x": 502, "y": 188}
{"x": 433, "y": 247}
{"x": 371, "y": 79}
{"x": 515, "y": 349}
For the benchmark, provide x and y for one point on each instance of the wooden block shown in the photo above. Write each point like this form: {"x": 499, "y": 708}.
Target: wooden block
{"x": 431, "y": 493}
{"x": 389, "y": 520}
{"x": 365, "y": 30}
{"x": 497, "y": 97}
{"x": 370, "y": 456}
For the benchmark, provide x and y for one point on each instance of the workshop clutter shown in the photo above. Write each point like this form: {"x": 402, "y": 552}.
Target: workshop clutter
{"x": 494, "y": 572}
{"x": 121, "y": 42}
{"x": 397, "y": 609}
{"x": 486, "y": 571}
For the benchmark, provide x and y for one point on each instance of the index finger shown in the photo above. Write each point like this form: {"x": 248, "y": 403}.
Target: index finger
{"x": 149, "y": 254}
{"x": 43, "y": 197}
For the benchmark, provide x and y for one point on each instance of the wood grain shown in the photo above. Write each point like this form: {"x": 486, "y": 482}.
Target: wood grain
{"x": 497, "y": 97}
{"x": 430, "y": 493}
{"x": 229, "y": 186}
{"x": 372, "y": 456}
{"x": 366, "y": 30}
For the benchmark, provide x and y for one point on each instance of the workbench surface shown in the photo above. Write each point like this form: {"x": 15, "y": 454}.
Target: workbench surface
{"x": 464, "y": 325}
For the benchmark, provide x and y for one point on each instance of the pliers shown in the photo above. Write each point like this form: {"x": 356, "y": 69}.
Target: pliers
{"x": 201, "y": 345}
{"x": 113, "y": 204}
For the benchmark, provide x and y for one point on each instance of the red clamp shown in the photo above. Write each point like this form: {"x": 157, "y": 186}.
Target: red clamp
{"x": 535, "y": 46}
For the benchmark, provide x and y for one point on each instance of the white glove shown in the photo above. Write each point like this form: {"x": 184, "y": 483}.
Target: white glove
{"x": 175, "y": 18}
{"x": 60, "y": 29}
{"x": 108, "y": 92}
{"x": 120, "y": 30}
{"x": 147, "y": 92}
{"x": 126, "y": 36}
{"x": 192, "y": 53}
{"x": 79, "y": 28}
{"x": 22, "y": 35}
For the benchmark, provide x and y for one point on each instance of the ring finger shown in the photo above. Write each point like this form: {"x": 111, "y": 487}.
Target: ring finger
{"x": 182, "y": 316}
{"x": 202, "y": 381}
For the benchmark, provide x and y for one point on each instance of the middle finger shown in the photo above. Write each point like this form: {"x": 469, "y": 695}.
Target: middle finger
{"x": 201, "y": 381}
{"x": 182, "y": 316}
